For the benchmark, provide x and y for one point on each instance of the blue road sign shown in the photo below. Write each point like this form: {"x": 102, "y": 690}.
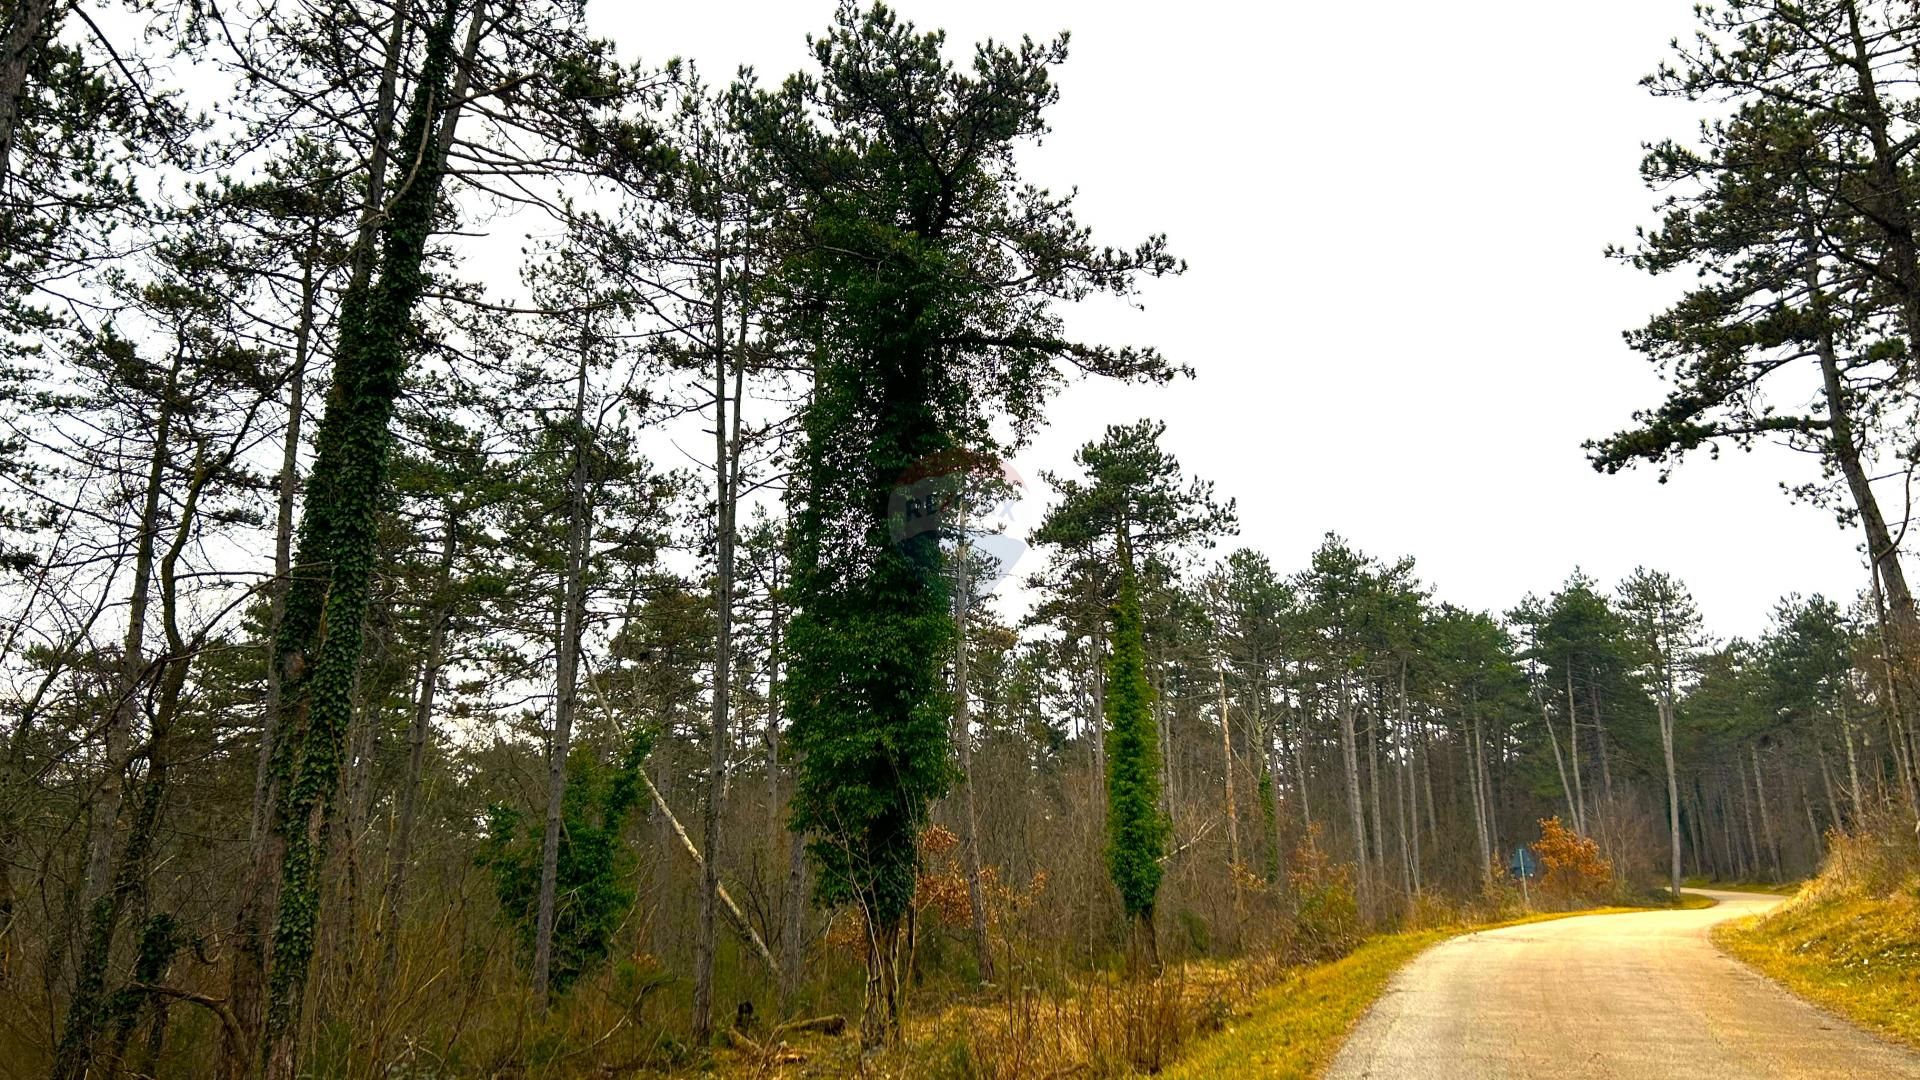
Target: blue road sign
{"x": 1524, "y": 863}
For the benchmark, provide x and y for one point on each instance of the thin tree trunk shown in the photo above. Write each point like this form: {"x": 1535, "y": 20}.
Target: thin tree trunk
{"x": 1559, "y": 763}
{"x": 1350, "y": 753}
{"x": 1573, "y": 750}
{"x": 1673, "y": 788}
{"x": 725, "y": 498}
{"x": 1476, "y": 773}
{"x": 90, "y": 1006}
{"x": 1226, "y": 760}
{"x": 1826, "y": 781}
{"x": 1409, "y": 843}
{"x": 566, "y": 686}
{"x": 1373, "y": 781}
{"x": 1766, "y": 817}
{"x": 1423, "y": 747}
{"x": 1599, "y": 732}
{"x": 1694, "y": 831}
{"x": 1736, "y": 844}
{"x": 1844, "y": 447}
{"x": 247, "y": 981}
{"x": 1486, "y": 781}
{"x": 400, "y": 855}
{"x": 726, "y": 903}
{"x": 963, "y": 742}
{"x": 1813, "y": 826}
{"x": 1853, "y": 763}
{"x": 103, "y": 812}
{"x": 1299, "y": 754}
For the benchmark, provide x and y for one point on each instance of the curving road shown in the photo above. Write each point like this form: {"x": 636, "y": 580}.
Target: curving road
{"x": 1642, "y": 994}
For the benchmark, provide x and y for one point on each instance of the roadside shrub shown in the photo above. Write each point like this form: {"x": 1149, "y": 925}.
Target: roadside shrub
{"x": 1575, "y": 871}
{"x": 1876, "y": 856}
{"x": 1326, "y": 916}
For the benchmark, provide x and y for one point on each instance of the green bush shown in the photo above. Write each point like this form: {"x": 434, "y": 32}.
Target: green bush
{"x": 592, "y": 892}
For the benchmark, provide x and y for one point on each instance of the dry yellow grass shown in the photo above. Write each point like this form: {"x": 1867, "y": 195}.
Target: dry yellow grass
{"x": 1856, "y": 954}
{"x": 1296, "y": 1027}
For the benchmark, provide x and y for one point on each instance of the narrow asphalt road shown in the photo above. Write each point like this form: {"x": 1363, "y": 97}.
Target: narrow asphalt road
{"x": 1642, "y": 994}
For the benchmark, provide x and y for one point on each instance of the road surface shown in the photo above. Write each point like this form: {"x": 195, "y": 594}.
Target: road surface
{"x": 1641, "y": 994}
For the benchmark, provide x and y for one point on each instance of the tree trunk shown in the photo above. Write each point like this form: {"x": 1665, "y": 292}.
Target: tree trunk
{"x": 1409, "y": 805}
{"x": 400, "y": 854}
{"x": 1559, "y": 763}
{"x": 1673, "y": 789}
{"x": 247, "y": 981}
{"x": 963, "y": 744}
{"x": 1844, "y": 447}
{"x": 1226, "y": 760}
{"x": 566, "y": 685}
{"x": 103, "y": 811}
{"x": 1766, "y": 817}
{"x": 1379, "y": 861}
{"x": 1573, "y": 750}
{"x": 1853, "y": 763}
{"x": 1423, "y": 749}
{"x": 1599, "y": 732}
{"x": 1476, "y": 774}
{"x": 1356, "y": 809}
{"x": 318, "y": 649}
{"x": 1299, "y": 755}
{"x": 880, "y": 1011}
{"x": 27, "y": 34}
{"x": 726, "y": 496}
{"x": 90, "y": 1006}
{"x": 1486, "y": 783}
{"x": 1736, "y": 848}
{"x": 793, "y": 917}
{"x": 1826, "y": 782}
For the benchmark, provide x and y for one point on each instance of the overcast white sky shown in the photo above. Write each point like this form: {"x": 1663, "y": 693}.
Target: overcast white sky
{"x": 1397, "y": 307}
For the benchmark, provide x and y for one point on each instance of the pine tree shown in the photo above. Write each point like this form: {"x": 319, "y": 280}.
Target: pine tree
{"x": 921, "y": 276}
{"x": 1136, "y": 829}
{"x": 1136, "y": 509}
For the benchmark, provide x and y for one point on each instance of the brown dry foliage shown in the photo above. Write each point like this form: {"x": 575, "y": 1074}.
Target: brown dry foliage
{"x": 1575, "y": 871}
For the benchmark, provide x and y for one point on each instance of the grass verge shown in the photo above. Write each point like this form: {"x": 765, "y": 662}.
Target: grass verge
{"x": 1689, "y": 901}
{"x": 1857, "y": 955}
{"x": 1772, "y": 888}
{"x": 1299, "y": 1024}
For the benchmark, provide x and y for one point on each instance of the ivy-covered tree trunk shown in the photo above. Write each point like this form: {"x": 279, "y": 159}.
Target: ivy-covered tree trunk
{"x": 1136, "y": 830}
{"x": 864, "y": 682}
{"x": 318, "y": 649}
